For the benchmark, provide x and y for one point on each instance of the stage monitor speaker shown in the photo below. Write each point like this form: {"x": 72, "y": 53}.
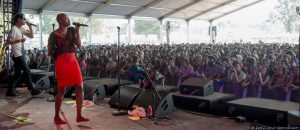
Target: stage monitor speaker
{"x": 214, "y": 104}
{"x": 41, "y": 81}
{"x": 197, "y": 86}
{"x": 164, "y": 103}
{"x": 91, "y": 88}
{"x": 294, "y": 118}
{"x": 50, "y": 75}
{"x": 264, "y": 111}
{"x": 127, "y": 96}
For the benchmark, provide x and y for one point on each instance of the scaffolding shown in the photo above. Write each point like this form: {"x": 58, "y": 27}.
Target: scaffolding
{"x": 10, "y": 9}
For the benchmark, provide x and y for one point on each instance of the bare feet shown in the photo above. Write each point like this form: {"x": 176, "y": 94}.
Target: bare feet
{"x": 82, "y": 119}
{"x": 57, "y": 120}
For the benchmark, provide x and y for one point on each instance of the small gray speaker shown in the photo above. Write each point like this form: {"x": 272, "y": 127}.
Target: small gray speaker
{"x": 197, "y": 86}
{"x": 90, "y": 87}
{"x": 40, "y": 81}
{"x": 162, "y": 100}
{"x": 127, "y": 97}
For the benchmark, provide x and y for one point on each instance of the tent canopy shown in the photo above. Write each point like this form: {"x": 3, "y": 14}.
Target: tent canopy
{"x": 160, "y": 9}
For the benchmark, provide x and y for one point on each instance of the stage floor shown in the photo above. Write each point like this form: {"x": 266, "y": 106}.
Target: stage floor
{"x": 41, "y": 113}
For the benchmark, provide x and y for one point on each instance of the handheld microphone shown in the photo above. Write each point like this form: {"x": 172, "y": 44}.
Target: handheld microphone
{"x": 80, "y": 24}
{"x": 31, "y": 24}
{"x": 118, "y": 27}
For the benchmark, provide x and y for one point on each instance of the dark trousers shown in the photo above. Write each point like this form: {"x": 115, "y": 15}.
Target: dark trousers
{"x": 19, "y": 66}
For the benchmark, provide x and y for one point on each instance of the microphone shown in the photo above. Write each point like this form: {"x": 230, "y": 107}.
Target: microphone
{"x": 118, "y": 27}
{"x": 53, "y": 25}
{"x": 28, "y": 23}
{"x": 80, "y": 24}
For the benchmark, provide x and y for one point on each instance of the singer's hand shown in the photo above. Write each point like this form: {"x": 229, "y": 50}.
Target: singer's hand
{"x": 77, "y": 27}
{"x": 22, "y": 40}
{"x": 28, "y": 24}
{"x": 31, "y": 24}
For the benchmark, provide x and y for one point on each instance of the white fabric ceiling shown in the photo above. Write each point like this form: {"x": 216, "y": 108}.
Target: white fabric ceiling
{"x": 179, "y": 9}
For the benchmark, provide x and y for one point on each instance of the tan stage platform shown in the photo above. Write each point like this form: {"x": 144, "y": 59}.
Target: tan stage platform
{"x": 41, "y": 112}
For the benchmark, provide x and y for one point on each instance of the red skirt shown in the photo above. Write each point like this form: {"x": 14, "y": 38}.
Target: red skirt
{"x": 67, "y": 70}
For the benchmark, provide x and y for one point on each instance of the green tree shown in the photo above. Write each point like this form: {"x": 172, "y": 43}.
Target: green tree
{"x": 31, "y": 18}
{"x": 153, "y": 27}
{"x": 168, "y": 29}
{"x": 146, "y": 27}
{"x": 171, "y": 26}
{"x": 285, "y": 13}
{"x": 96, "y": 25}
{"x": 47, "y": 21}
{"x": 83, "y": 30}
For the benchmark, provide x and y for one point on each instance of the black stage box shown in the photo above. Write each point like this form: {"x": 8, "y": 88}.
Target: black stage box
{"x": 197, "y": 86}
{"x": 294, "y": 118}
{"x": 215, "y": 103}
{"x": 265, "y": 111}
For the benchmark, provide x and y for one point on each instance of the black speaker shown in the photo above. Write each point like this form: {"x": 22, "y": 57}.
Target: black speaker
{"x": 127, "y": 96}
{"x": 294, "y": 118}
{"x": 214, "y": 103}
{"x": 163, "y": 102}
{"x": 90, "y": 88}
{"x": 197, "y": 86}
{"x": 50, "y": 75}
{"x": 264, "y": 111}
{"x": 41, "y": 81}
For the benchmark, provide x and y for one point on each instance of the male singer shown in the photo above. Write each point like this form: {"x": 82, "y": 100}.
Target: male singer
{"x": 16, "y": 40}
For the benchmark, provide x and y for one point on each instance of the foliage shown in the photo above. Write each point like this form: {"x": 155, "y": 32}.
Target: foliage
{"x": 173, "y": 25}
{"x": 47, "y": 21}
{"x": 83, "y": 30}
{"x": 146, "y": 27}
{"x": 97, "y": 24}
{"x": 285, "y": 13}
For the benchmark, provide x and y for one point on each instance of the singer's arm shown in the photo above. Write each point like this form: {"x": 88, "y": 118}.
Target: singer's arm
{"x": 11, "y": 40}
{"x": 51, "y": 45}
{"x": 77, "y": 37}
{"x": 30, "y": 33}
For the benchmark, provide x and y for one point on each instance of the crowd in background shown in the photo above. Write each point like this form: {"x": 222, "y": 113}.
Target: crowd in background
{"x": 270, "y": 65}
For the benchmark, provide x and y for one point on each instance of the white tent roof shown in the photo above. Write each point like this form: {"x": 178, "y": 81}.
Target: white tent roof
{"x": 178, "y": 9}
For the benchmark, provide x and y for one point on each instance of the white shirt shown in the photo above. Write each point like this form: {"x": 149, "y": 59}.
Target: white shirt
{"x": 16, "y": 33}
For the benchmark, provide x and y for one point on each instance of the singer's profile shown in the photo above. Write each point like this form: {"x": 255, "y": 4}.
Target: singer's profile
{"x": 66, "y": 65}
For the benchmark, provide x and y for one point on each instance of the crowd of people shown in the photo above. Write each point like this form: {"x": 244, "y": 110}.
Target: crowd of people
{"x": 270, "y": 65}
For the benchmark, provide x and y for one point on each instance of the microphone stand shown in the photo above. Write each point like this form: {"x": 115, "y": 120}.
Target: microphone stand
{"x": 298, "y": 12}
{"x": 119, "y": 112}
{"x": 54, "y": 91}
{"x": 154, "y": 90}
